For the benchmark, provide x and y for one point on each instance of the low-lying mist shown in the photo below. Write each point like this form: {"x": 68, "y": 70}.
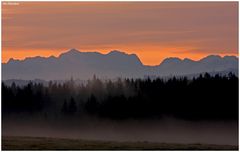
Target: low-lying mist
{"x": 177, "y": 110}
{"x": 166, "y": 130}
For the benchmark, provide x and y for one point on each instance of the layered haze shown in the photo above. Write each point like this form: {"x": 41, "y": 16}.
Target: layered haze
{"x": 158, "y": 72}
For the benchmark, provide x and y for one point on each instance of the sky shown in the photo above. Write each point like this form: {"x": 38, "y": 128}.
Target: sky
{"x": 151, "y": 30}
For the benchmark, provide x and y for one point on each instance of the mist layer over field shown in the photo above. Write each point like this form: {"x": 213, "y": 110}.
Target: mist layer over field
{"x": 177, "y": 110}
{"x": 167, "y": 130}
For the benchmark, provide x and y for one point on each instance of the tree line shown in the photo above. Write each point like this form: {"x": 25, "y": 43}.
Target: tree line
{"x": 204, "y": 97}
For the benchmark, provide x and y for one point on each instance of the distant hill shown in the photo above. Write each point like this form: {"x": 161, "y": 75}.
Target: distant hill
{"x": 83, "y": 65}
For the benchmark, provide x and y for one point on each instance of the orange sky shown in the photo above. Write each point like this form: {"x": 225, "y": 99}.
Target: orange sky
{"x": 152, "y": 30}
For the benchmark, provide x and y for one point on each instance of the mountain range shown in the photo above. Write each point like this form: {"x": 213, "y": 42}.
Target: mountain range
{"x": 83, "y": 65}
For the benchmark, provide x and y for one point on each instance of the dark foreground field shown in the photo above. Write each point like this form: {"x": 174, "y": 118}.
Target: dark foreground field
{"x": 42, "y": 143}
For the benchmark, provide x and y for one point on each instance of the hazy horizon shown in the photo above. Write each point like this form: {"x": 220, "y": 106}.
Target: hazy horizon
{"x": 120, "y": 75}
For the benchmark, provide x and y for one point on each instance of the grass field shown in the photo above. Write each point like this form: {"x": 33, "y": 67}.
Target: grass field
{"x": 42, "y": 143}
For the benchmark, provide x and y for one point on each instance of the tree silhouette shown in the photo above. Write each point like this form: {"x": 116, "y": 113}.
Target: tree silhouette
{"x": 206, "y": 97}
{"x": 72, "y": 106}
{"x": 91, "y": 105}
{"x": 64, "y": 109}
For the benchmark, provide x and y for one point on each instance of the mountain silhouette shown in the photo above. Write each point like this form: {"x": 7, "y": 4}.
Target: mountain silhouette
{"x": 84, "y": 65}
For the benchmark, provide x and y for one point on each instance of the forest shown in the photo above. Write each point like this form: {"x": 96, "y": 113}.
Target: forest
{"x": 206, "y": 97}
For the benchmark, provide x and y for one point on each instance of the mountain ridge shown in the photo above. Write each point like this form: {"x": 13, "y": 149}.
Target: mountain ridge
{"x": 74, "y": 63}
{"x": 75, "y": 51}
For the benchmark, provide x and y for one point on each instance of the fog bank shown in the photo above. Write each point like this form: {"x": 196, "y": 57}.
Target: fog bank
{"x": 167, "y": 130}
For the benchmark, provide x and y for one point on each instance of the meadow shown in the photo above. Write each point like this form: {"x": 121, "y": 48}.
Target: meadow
{"x": 42, "y": 143}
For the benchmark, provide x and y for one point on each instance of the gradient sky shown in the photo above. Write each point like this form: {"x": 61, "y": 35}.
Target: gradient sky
{"x": 152, "y": 30}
